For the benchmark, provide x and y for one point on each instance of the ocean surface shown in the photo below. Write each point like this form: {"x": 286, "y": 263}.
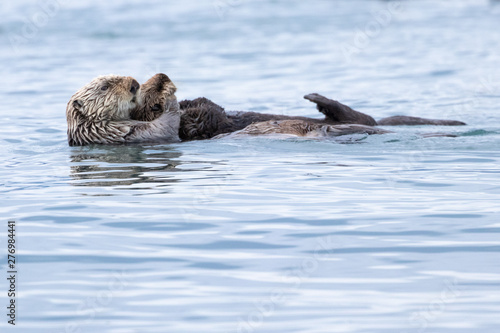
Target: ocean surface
{"x": 393, "y": 233}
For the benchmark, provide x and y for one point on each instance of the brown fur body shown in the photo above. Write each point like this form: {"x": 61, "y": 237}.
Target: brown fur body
{"x": 340, "y": 120}
{"x": 203, "y": 119}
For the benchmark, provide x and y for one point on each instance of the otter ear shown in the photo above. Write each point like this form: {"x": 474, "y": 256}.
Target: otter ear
{"x": 78, "y": 105}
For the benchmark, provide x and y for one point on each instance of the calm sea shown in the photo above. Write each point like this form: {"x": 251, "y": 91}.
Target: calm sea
{"x": 388, "y": 234}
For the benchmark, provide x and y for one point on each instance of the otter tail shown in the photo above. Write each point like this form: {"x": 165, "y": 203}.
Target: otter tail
{"x": 414, "y": 121}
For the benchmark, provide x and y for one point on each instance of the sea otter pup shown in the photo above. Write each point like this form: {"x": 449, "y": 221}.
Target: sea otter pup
{"x": 100, "y": 112}
{"x": 203, "y": 119}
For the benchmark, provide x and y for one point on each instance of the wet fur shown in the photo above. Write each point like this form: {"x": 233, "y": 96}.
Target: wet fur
{"x": 305, "y": 129}
{"x": 97, "y": 116}
{"x": 203, "y": 119}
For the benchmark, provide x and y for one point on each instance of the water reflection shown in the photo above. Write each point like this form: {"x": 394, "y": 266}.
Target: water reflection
{"x": 108, "y": 166}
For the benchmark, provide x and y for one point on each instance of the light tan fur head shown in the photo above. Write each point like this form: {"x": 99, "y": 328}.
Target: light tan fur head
{"x": 108, "y": 97}
{"x": 157, "y": 96}
{"x": 105, "y": 99}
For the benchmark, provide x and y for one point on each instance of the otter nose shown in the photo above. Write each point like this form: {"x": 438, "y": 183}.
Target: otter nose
{"x": 135, "y": 86}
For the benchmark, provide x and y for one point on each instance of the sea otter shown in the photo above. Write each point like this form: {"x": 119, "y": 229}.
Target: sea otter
{"x": 203, "y": 119}
{"x": 100, "y": 112}
{"x": 116, "y": 110}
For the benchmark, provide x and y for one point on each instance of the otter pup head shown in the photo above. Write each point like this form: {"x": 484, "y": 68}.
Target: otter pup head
{"x": 157, "y": 96}
{"x": 105, "y": 98}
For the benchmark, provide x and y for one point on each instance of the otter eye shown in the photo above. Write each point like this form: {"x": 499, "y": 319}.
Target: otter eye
{"x": 104, "y": 88}
{"x": 156, "y": 107}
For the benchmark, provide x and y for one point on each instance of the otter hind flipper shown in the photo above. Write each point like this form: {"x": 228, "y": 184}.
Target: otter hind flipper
{"x": 339, "y": 112}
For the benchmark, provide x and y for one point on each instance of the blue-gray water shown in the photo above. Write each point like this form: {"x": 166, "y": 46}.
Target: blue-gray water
{"x": 390, "y": 233}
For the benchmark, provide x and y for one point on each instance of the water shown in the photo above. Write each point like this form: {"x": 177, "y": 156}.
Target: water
{"x": 390, "y": 233}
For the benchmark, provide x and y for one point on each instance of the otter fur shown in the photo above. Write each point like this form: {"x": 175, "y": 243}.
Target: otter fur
{"x": 100, "y": 112}
{"x": 203, "y": 119}
{"x": 302, "y": 128}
